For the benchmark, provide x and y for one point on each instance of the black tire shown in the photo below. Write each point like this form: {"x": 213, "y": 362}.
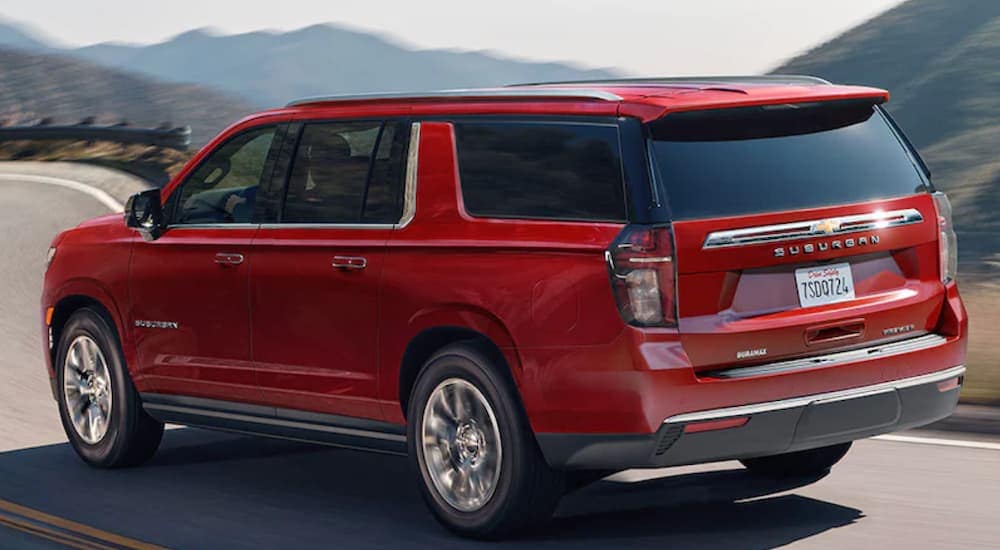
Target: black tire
{"x": 526, "y": 489}
{"x": 802, "y": 463}
{"x": 132, "y": 436}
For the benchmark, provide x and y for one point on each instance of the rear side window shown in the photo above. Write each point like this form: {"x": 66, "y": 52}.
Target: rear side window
{"x": 346, "y": 172}
{"x": 732, "y": 162}
{"x": 546, "y": 170}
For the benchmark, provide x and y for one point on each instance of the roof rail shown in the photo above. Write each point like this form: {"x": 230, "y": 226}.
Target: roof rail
{"x": 487, "y": 93}
{"x": 731, "y": 79}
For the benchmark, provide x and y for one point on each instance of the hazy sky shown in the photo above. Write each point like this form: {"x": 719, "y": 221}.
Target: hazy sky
{"x": 650, "y": 37}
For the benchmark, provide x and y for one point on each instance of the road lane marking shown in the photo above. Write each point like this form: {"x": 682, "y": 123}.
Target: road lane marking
{"x": 940, "y": 441}
{"x": 64, "y": 539}
{"x": 69, "y": 529}
{"x": 102, "y": 196}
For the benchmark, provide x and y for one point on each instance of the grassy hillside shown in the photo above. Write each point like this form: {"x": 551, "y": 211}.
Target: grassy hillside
{"x": 34, "y": 86}
{"x": 941, "y": 62}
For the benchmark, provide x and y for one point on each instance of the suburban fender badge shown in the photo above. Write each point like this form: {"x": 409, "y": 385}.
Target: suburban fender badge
{"x": 155, "y": 324}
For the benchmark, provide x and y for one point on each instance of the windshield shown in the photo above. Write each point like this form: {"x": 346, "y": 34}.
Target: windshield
{"x": 732, "y": 162}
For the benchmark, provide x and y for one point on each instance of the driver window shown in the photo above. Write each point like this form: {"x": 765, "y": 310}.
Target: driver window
{"x": 223, "y": 188}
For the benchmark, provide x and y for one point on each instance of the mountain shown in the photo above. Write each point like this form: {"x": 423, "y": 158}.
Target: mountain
{"x": 20, "y": 36}
{"x": 35, "y": 86}
{"x": 271, "y": 68}
{"x": 941, "y": 63}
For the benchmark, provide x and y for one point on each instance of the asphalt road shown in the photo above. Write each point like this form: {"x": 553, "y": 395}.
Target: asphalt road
{"x": 212, "y": 490}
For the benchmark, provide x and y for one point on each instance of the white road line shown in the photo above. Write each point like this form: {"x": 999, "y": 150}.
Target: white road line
{"x": 100, "y": 195}
{"x": 940, "y": 441}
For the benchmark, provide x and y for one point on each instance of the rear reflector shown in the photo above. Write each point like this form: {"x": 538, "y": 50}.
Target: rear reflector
{"x": 710, "y": 425}
{"x": 950, "y": 384}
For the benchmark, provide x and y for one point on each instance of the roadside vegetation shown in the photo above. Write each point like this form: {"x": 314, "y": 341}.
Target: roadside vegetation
{"x": 154, "y": 164}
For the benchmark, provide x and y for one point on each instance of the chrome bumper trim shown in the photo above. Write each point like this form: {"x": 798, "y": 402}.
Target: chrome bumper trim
{"x": 871, "y": 352}
{"x": 795, "y": 402}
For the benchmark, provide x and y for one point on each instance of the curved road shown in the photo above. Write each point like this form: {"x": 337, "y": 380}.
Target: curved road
{"x": 205, "y": 490}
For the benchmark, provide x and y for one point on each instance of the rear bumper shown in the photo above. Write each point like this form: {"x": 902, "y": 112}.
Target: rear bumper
{"x": 765, "y": 428}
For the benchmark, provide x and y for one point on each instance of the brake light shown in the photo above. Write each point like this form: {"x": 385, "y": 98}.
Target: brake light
{"x": 641, "y": 264}
{"x": 947, "y": 239}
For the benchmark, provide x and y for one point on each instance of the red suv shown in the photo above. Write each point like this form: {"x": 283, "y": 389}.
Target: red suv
{"x": 524, "y": 289}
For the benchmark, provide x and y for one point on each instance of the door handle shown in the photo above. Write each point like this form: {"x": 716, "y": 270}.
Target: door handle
{"x": 228, "y": 258}
{"x": 350, "y": 262}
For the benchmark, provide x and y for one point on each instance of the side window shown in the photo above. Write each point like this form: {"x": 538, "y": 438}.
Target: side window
{"x": 384, "y": 199}
{"x": 223, "y": 189}
{"x": 541, "y": 170}
{"x": 346, "y": 172}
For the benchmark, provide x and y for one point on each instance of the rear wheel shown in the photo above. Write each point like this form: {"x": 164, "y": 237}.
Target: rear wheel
{"x": 481, "y": 471}
{"x": 100, "y": 409}
{"x": 801, "y": 463}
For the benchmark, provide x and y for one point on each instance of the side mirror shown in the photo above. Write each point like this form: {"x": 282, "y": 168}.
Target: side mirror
{"x": 144, "y": 212}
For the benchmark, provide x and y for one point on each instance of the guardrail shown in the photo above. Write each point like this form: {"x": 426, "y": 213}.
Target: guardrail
{"x": 162, "y": 136}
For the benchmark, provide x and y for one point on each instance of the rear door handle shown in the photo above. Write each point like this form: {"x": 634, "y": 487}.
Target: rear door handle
{"x": 350, "y": 262}
{"x": 228, "y": 258}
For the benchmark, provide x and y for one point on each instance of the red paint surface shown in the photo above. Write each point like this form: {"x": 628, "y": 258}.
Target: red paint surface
{"x": 287, "y": 329}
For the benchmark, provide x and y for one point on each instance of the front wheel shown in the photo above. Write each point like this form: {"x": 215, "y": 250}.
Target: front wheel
{"x": 100, "y": 409}
{"x": 481, "y": 471}
{"x": 801, "y": 463}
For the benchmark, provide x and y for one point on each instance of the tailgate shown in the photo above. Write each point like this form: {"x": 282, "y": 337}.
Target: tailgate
{"x": 799, "y": 229}
{"x": 740, "y": 302}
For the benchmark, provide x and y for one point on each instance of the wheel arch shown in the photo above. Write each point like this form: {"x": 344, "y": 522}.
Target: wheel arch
{"x": 77, "y": 299}
{"x": 430, "y": 340}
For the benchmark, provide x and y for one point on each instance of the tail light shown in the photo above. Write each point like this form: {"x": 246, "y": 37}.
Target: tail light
{"x": 947, "y": 241}
{"x": 641, "y": 263}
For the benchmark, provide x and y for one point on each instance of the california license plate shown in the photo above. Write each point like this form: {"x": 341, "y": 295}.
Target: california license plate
{"x": 826, "y": 284}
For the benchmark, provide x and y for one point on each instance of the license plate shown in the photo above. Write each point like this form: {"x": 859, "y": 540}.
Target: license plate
{"x": 826, "y": 284}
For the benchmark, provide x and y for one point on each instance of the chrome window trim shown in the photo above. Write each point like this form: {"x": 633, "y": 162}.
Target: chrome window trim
{"x": 409, "y": 202}
{"x": 327, "y": 226}
{"x": 812, "y": 228}
{"x": 796, "y": 402}
{"x": 410, "y": 178}
{"x": 484, "y": 93}
{"x": 213, "y": 226}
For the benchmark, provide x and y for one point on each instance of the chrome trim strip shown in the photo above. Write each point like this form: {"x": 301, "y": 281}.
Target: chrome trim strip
{"x": 410, "y": 179}
{"x": 484, "y": 93}
{"x": 276, "y": 422}
{"x": 795, "y": 402}
{"x": 812, "y": 228}
{"x": 879, "y": 351}
{"x": 327, "y": 226}
{"x": 214, "y": 226}
{"x": 651, "y": 260}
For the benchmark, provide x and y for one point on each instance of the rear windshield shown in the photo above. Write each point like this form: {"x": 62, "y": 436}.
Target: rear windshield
{"x": 731, "y": 162}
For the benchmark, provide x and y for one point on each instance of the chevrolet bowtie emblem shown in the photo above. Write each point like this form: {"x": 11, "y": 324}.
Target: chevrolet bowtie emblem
{"x": 826, "y": 227}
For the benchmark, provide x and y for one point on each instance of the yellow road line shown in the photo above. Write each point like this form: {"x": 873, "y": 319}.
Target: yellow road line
{"x": 74, "y": 527}
{"x": 64, "y": 539}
